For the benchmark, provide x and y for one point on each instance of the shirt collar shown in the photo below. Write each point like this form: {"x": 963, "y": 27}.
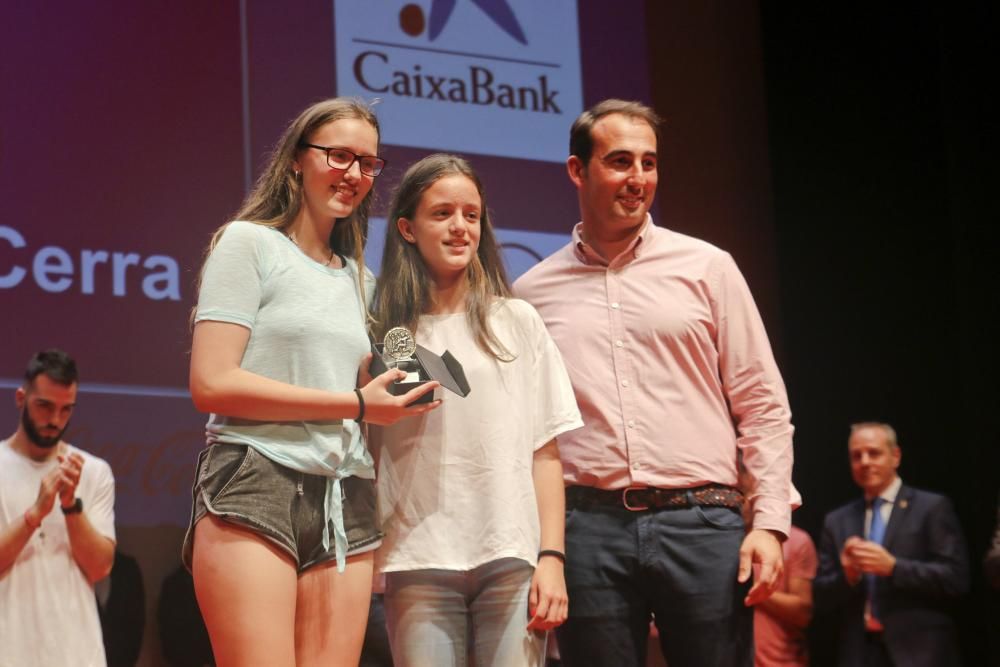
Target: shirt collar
{"x": 891, "y": 491}
{"x": 586, "y": 254}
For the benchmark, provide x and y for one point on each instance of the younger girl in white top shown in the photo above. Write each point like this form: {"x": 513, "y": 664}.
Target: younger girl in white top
{"x": 470, "y": 495}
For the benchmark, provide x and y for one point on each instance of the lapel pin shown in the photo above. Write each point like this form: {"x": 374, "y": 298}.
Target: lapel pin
{"x": 903, "y": 504}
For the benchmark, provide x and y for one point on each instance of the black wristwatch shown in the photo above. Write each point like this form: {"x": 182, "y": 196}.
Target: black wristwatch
{"x": 75, "y": 508}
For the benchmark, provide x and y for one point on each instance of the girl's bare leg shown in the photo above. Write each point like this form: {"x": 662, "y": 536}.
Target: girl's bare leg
{"x": 246, "y": 588}
{"x": 332, "y": 613}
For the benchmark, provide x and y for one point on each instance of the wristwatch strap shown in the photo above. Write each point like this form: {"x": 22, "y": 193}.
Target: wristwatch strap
{"x": 75, "y": 508}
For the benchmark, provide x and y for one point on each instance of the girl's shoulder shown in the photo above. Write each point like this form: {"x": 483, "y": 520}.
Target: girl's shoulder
{"x": 520, "y": 318}
{"x": 250, "y": 228}
{"x": 246, "y": 232}
{"x": 517, "y": 309}
{"x": 352, "y": 266}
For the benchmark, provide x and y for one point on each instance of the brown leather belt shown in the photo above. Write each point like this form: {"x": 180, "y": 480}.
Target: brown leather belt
{"x": 641, "y": 498}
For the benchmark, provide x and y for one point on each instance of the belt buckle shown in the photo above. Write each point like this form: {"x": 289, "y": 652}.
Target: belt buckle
{"x": 633, "y": 508}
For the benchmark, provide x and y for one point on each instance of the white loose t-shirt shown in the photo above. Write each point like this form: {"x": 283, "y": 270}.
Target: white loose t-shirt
{"x": 48, "y": 612}
{"x": 455, "y": 485}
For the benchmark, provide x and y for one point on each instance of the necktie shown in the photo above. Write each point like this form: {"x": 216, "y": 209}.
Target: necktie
{"x": 876, "y": 532}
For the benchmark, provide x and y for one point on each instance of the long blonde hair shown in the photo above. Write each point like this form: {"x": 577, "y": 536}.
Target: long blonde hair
{"x": 404, "y": 286}
{"x": 276, "y": 197}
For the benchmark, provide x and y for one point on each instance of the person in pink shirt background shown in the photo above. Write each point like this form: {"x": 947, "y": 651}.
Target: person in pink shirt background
{"x": 780, "y": 622}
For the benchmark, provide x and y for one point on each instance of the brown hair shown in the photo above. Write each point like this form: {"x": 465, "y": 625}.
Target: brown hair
{"x": 54, "y": 364}
{"x": 581, "y": 143}
{"x": 404, "y": 294}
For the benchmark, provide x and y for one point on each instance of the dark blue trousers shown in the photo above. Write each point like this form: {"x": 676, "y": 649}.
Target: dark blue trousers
{"x": 678, "y": 566}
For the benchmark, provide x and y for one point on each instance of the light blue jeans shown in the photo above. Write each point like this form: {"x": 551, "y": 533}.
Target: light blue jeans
{"x": 452, "y": 618}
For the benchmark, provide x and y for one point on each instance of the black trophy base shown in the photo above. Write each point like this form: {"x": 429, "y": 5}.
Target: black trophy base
{"x": 416, "y": 375}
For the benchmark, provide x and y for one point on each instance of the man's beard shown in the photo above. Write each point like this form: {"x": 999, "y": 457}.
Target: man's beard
{"x": 37, "y": 438}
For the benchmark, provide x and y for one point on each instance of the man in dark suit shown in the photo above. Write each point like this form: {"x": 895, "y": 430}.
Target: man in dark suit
{"x": 891, "y": 565}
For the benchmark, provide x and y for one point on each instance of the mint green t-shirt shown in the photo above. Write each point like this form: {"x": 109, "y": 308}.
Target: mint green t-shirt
{"x": 306, "y": 329}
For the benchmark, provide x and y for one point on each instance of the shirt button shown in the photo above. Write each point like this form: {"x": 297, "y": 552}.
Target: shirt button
{"x": 624, "y": 383}
{"x": 631, "y": 423}
{"x": 615, "y": 305}
{"x": 635, "y": 465}
{"x": 619, "y": 343}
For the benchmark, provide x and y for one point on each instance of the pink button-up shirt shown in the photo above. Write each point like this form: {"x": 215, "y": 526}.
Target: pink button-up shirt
{"x": 672, "y": 370}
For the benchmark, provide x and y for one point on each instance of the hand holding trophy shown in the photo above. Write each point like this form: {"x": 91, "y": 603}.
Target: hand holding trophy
{"x": 400, "y": 350}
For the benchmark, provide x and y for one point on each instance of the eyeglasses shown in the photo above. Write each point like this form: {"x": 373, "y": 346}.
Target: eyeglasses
{"x": 341, "y": 158}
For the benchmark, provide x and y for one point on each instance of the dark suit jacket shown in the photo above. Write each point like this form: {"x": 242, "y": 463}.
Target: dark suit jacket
{"x": 931, "y": 574}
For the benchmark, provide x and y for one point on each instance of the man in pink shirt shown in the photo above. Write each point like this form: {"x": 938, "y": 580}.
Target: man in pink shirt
{"x": 675, "y": 378}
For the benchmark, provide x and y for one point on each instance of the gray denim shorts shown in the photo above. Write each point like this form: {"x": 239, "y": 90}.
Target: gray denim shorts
{"x": 239, "y": 484}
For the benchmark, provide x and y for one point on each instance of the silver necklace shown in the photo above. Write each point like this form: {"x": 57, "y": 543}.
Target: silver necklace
{"x": 329, "y": 260}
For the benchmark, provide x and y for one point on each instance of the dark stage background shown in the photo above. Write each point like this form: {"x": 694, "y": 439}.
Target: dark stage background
{"x": 844, "y": 156}
{"x": 883, "y": 136}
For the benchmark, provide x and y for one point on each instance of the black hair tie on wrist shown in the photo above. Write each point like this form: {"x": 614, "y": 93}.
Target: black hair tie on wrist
{"x": 361, "y": 406}
{"x": 554, "y": 553}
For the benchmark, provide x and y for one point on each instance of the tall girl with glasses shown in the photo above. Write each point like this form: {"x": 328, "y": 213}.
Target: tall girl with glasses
{"x": 471, "y": 495}
{"x": 283, "y": 520}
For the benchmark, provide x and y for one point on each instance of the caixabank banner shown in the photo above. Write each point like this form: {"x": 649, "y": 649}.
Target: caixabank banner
{"x": 493, "y": 77}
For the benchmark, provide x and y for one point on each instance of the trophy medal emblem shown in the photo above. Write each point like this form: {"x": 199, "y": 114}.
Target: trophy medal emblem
{"x": 399, "y": 346}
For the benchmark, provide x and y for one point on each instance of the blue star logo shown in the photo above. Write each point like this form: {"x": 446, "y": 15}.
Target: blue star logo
{"x": 499, "y": 12}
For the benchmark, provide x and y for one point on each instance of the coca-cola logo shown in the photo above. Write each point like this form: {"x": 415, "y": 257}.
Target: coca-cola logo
{"x": 153, "y": 478}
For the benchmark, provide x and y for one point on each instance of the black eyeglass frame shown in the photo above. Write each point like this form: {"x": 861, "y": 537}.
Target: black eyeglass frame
{"x": 380, "y": 162}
